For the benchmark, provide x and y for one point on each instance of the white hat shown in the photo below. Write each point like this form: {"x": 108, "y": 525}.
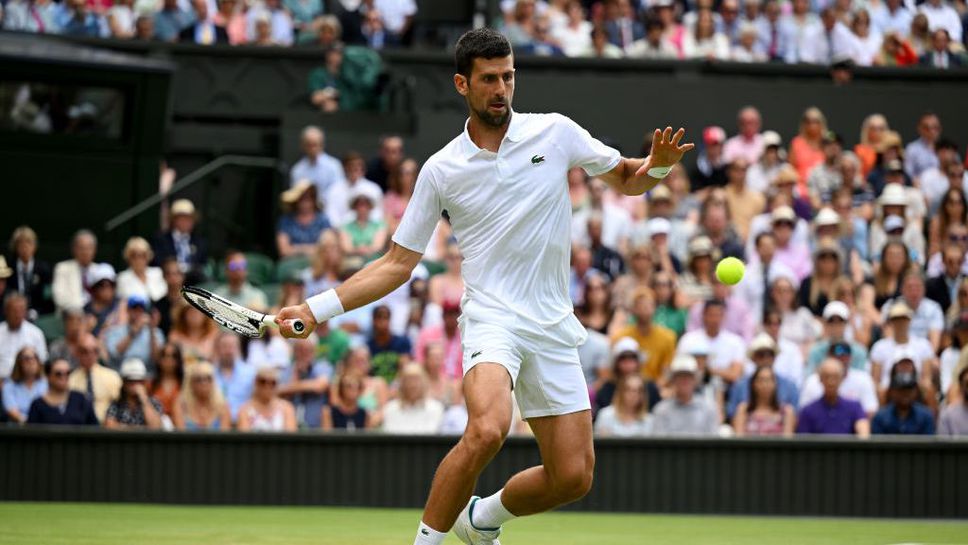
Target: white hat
{"x": 658, "y": 226}
{"x": 826, "y": 216}
{"x": 5, "y": 270}
{"x": 700, "y": 245}
{"x": 771, "y": 138}
{"x": 893, "y": 222}
{"x": 182, "y": 207}
{"x": 684, "y": 363}
{"x": 362, "y": 191}
{"x": 783, "y": 213}
{"x": 696, "y": 347}
{"x": 99, "y": 272}
{"x": 836, "y": 309}
{"x": 893, "y": 195}
{"x": 625, "y": 345}
{"x": 134, "y": 369}
{"x": 763, "y": 341}
{"x": 900, "y": 309}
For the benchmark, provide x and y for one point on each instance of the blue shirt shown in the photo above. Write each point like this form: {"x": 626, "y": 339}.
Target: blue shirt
{"x": 303, "y": 234}
{"x": 386, "y": 357}
{"x": 17, "y": 395}
{"x": 309, "y": 406}
{"x": 786, "y": 393}
{"x": 323, "y": 173}
{"x": 168, "y": 23}
{"x": 839, "y": 418}
{"x": 919, "y": 421}
{"x": 140, "y": 346}
{"x": 818, "y": 352}
{"x": 918, "y": 157}
{"x": 237, "y": 387}
{"x": 78, "y": 411}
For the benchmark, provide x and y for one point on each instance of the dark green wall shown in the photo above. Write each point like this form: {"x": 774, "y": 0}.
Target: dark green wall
{"x": 803, "y": 477}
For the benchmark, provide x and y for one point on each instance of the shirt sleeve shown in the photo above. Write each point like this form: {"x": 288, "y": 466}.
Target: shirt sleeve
{"x": 422, "y": 214}
{"x": 586, "y": 151}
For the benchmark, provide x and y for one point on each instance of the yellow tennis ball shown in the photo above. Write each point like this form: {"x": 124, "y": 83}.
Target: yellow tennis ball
{"x": 730, "y": 271}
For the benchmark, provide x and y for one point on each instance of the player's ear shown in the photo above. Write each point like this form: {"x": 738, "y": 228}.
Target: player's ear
{"x": 461, "y": 84}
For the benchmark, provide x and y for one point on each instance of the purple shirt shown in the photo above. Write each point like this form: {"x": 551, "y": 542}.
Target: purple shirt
{"x": 839, "y": 418}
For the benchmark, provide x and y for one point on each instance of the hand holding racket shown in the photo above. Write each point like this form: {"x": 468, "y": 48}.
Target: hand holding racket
{"x": 242, "y": 320}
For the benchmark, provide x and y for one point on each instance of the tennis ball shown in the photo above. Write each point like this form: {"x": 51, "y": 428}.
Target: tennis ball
{"x": 730, "y": 271}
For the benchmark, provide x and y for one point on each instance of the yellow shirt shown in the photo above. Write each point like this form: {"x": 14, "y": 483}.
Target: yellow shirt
{"x": 106, "y": 387}
{"x": 657, "y": 348}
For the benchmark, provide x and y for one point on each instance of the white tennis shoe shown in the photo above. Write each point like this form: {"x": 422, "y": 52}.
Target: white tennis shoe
{"x": 471, "y": 535}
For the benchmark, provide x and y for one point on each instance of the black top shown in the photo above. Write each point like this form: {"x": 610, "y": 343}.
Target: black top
{"x": 344, "y": 421}
{"x": 78, "y": 411}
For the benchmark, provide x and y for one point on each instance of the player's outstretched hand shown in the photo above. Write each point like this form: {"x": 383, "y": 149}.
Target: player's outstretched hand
{"x": 666, "y": 149}
{"x": 285, "y": 317}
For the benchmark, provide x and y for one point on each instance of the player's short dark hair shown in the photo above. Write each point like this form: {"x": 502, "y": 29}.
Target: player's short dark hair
{"x": 480, "y": 43}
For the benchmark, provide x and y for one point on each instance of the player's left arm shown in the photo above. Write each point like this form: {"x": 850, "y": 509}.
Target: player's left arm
{"x": 636, "y": 176}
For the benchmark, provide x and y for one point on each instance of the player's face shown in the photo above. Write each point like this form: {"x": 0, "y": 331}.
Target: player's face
{"x": 489, "y": 89}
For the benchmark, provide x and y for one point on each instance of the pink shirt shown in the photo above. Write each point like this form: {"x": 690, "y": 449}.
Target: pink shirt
{"x": 739, "y": 319}
{"x": 453, "y": 353}
{"x": 739, "y": 146}
{"x": 797, "y": 258}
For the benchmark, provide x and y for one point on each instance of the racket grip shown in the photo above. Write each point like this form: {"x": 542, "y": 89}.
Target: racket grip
{"x": 298, "y": 326}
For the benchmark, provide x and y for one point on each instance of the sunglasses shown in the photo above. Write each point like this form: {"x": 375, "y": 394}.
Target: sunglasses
{"x": 265, "y": 382}
{"x": 83, "y": 350}
{"x": 202, "y": 378}
{"x": 762, "y": 353}
{"x": 958, "y": 238}
{"x": 59, "y": 373}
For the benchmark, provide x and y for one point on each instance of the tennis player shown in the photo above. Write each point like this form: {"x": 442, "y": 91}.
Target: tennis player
{"x": 503, "y": 183}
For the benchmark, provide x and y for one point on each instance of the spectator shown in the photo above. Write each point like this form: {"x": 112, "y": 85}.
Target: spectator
{"x": 344, "y": 412}
{"x": 798, "y": 324}
{"x": 894, "y": 265}
{"x": 850, "y": 229}
{"x": 170, "y": 21}
{"x": 684, "y": 413}
{"x": 306, "y": 382}
{"x": 397, "y": 17}
{"x": 815, "y": 289}
{"x": 667, "y": 314}
{"x": 26, "y": 383}
{"x": 640, "y": 272}
{"x": 759, "y": 273}
{"x": 448, "y": 334}
{"x": 954, "y": 417}
{"x": 414, "y": 411}
{"x": 726, "y": 349}
{"x": 230, "y": 18}
{"x": 872, "y": 131}
{"x": 789, "y": 361}
{"x": 34, "y": 16}
{"x": 265, "y": 411}
{"x": 204, "y": 30}
{"x": 325, "y": 267}
{"x": 763, "y": 351}
{"x": 791, "y": 253}
{"x": 628, "y": 414}
{"x": 892, "y": 17}
{"x": 942, "y": 16}
{"x": 621, "y": 25}
{"x": 762, "y": 172}
{"x": 601, "y": 48}
{"x": 59, "y": 405}
{"x": 940, "y": 55}
{"x": 575, "y": 35}
{"x": 79, "y": 20}
{"x": 805, "y": 148}
{"x": 193, "y": 332}
{"x": 382, "y": 168}
{"x": 373, "y": 31}
{"x": 31, "y": 276}
{"x": 604, "y": 258}
{"x": 233, "y": 376}
{"x": 715, "y": 222}
{"x": 825, "y": 178}
{"x": 134, "y": 408}
{"x": 389, "y": 352}
{"x": 320, "y": 168}
{"x": 764, "y": 413}
{"x": 136, "y": 337}
{"x": 943, "y": 288}
{"x": 5, "y": 273}
{"x": 625, "y": 361}
{"x": 710, "y": 170}
{"x": 738, "y": 319}
{"x": 748, "y": 143}
{"x": 17, "y": 333}
{"x": 919, "y": 155}
{"x": 795, "y": 29}
{"x": 103, "y": 310}
{"x": 200, "y": 406}
{"x": 375, "y": 392}
{"x": 867, "y": 40}
{"x": 773, "y": 31}
{"x": 656, "y": 343}
{"x": 541, "y": 44}
{"x": 896, "y": 51}
{"x": 744, "y": 204}
{"x": 903, "y": 415}
{"x": 696, "y": 282}
{"x": 827, "y": 42}
{"x": 183, "y": 242}
{"x": 444, "y": 388}
{"x": 903, "y": 342}
{"x": 166, "y": 384}
{"x": 833, "y": 414}
{"x": 99, "y": 384}
{"x": 857, "y": 384}
{"x": 748, "y": 48}
{"x": 329, "y": 31}
{"x": 65, "y": 348}
{"x": 705, "y": 42}
{"x": 303, "y": 222}
{"x": 951, "y": 356}
{"x": 303, "y": 13}
{"x": 237, "y": 287}
{"x": 400, "y": 190}
{"x": 836, "y": 316}
{"x": 448, "y": 285}
{"x": 363, "y": 238}
{"x": 654, "y": 45}
{"x": 337, "y": 204}
{"x": 934, "y": 181}
{"x": 139, "y": 279}
{"x": 616, "y": 220}
{"x": 144, "y": 29}
{"x": 280, "y": 21}
{"x": 928, "y": 318}
{"x": 71, "y": 283}
{"x": 174, "y": 280}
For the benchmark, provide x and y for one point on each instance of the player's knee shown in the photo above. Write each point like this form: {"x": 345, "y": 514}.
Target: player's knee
{"x": 573, "y": 481}
{"x": 484, "y": 437}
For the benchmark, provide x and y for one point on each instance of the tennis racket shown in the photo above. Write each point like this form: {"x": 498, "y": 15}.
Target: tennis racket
{"x": 232, "y": 316}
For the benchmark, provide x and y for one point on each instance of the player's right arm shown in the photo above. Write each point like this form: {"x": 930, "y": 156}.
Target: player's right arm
{"x": 375, "y": 281}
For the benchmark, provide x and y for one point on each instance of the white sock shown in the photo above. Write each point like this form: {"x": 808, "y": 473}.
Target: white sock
{"x": 490, "y": 513}
{"x": 428, "y": 536}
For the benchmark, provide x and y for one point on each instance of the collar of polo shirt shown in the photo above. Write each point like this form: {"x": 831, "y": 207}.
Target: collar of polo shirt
{"x": 515, "y": 133}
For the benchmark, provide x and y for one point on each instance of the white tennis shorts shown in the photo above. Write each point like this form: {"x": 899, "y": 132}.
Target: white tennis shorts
{"x": 546, "y": 375}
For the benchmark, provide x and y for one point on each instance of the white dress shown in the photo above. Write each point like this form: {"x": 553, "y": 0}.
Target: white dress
{"x": 153, "y": 288}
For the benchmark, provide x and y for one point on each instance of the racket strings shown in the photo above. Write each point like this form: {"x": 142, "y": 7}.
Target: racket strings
{"x": 225, "y": 316}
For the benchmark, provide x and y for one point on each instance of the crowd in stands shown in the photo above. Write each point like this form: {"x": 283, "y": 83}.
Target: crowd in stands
{"x": 850, "y": 319}
{"x": 825, "y": 32}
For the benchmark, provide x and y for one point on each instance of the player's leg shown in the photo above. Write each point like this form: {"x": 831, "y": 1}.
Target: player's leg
{"x": 487, "y": 393}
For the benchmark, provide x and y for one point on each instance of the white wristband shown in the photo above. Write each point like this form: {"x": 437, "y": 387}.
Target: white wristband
{"x": 325, "y": 305}
{"x": 659, "y": 172}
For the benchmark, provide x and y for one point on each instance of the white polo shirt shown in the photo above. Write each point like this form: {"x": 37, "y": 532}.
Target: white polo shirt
{"x": 511, "y": 215}
{"x": 885, "y": 350}
{"x": 724, "y": 349}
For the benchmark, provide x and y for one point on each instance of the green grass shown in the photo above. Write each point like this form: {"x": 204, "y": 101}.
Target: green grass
{"x": 113, "y": 524}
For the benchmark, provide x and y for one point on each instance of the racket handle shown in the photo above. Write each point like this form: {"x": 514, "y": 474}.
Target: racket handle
{"x": 298, "y": 326}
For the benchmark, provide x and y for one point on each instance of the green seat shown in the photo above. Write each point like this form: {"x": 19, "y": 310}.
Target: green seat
{"x": 272, "y": 292}
{"x": 261, "y": 268}
{"x": 52, "y": 325}
{"x": 291, "y": 266}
